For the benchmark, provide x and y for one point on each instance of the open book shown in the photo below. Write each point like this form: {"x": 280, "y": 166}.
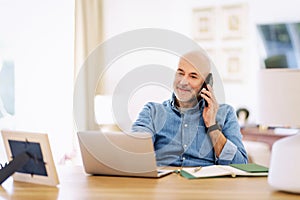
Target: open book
{"x": 232, "y": 170}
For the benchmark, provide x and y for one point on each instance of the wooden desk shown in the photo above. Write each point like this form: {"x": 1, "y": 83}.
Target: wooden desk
{"x": 267, "y": 136}
{"x": 75, "y": 184}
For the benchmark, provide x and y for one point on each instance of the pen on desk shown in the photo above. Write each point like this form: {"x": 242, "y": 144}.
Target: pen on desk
{"x": 197, "y": 169}
{"x": 178, "y": 171}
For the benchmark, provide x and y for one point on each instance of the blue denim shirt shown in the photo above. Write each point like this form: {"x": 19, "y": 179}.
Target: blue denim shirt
{"x": 180, "y": 138}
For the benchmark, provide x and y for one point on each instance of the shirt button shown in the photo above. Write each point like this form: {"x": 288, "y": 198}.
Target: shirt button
{"x": 183, "y": 158}
{"x": 185, "y": 146}
{"x": 185, "y": 125}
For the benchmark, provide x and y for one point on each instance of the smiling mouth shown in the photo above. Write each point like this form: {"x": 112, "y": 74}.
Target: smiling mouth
{"x": 183, "y": 90}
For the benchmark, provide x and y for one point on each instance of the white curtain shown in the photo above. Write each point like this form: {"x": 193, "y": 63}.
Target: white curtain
{"x": 88, "y": 35}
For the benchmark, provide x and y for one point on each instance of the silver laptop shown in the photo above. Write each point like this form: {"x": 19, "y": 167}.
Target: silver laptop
{"x": 119, "y": 154}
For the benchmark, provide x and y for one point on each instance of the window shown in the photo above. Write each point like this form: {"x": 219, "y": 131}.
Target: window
{"x": 281, "y": 42}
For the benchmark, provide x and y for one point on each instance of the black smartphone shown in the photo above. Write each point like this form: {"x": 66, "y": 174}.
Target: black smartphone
{"x": 208, "y": 80}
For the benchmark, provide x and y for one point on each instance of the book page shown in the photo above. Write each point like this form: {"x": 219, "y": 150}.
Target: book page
{"x": 208, "y": 171}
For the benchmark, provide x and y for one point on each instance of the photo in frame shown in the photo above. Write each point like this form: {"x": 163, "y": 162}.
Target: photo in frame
{"x": 40, "y": 167}
{"x": 234, "y": 21}
{"x": 204, "y": 20}
{"x": 232, "y": 64}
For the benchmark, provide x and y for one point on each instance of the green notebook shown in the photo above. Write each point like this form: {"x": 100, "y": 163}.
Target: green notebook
{"x": 251, "y": 167}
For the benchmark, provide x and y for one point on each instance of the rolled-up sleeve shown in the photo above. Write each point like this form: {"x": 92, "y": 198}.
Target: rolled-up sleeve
{"x": 228, "y": 151}
{"x": 233, "y": 151}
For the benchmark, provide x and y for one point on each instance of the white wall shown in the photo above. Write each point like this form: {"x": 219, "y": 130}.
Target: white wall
{"x": 40, "y": 36}
{"x": 121, "y": 16}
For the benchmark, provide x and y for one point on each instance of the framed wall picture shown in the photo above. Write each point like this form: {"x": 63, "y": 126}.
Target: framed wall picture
{"x": 31, "y": 151}
{"x": 204, "y": 23}
{"x": 234, "y": 21}
{"x": 232, "y": 64}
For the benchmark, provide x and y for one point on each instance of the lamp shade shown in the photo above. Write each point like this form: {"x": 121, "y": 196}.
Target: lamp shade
{"x": 279, "y": 97}
{"x": 103, "y": 109}
{"x": 284, "y": 172}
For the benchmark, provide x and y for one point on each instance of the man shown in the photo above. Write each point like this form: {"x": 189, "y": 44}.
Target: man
{"x": 186, "y": 132}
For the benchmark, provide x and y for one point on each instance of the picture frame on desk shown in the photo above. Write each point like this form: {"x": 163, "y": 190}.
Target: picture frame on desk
{"x": 39, "y": 167}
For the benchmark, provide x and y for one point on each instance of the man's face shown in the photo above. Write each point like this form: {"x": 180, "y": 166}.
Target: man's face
{"x": 187, "y": 82}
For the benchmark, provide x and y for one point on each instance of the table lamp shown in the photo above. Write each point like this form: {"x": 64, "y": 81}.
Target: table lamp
{"x": 284, "y": 172}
